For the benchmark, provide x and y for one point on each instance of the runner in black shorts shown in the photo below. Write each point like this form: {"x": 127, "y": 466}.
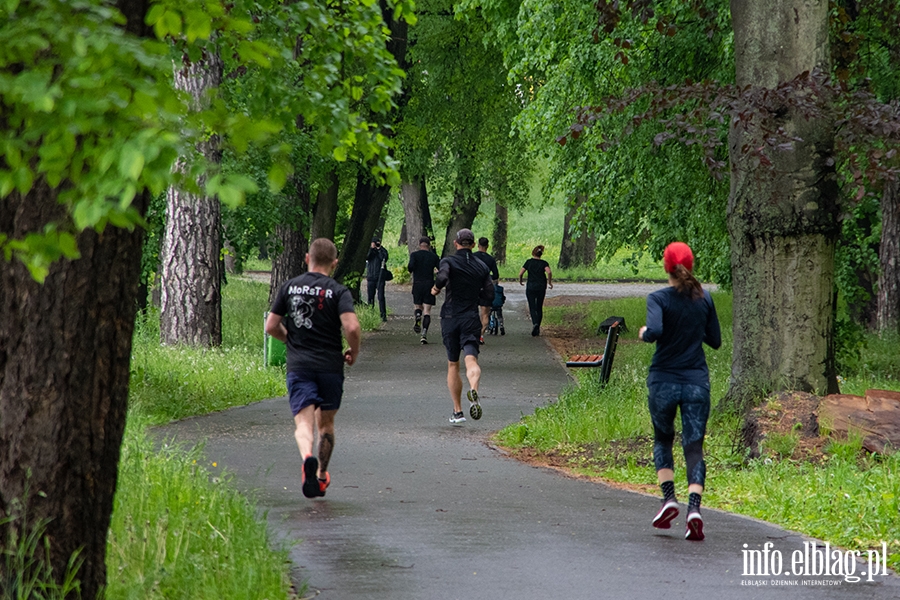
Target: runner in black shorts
{"x": 485, "y": 307}
{"x": 422, "y": 264}
{"x": 468, "y": 281}
{"x": 308, "y": 314}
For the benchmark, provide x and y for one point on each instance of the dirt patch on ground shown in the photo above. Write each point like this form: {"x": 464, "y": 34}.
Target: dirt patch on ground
{"x": 786, "y": 426}
{"x": 573, "y": 462}
{"x": 573, "y": 335}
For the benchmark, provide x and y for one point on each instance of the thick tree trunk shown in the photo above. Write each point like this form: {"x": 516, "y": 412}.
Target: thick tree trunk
{"x": 501, "y": 233}
{"x": 888, "y": 313}
{"x": 294, "y": 244}
{"x": 192, "y": 269}
{"x": 782, "y": 220}
{"x": 65, "y": 350}
{"x": 368, "y": 204}
{"x": 412, "y": 196}
{"x": 578, "y": 251}
{"x": 462, "y": 214}
{"x": 326, "y": 209}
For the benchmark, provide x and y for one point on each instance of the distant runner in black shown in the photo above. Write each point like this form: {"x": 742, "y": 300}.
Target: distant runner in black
{"x": 376, "y": 264}
{"x": 483, "y": 256}
{"x": 539, "y": 278}
{"x": 468, "y": 282}
{"x": 422, "y": 264}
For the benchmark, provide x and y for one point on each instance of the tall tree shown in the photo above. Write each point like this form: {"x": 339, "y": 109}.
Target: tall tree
{"x": 888, "y": 313}
{"x": 192, "y": 268}
{"x": 414, "y": 199}
{"x": 783, "y": 221}
{"x": 65, "y": 341}
{"x": 579, "y": 246}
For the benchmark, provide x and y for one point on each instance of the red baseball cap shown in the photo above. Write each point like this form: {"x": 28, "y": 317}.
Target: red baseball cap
{"x": 678, "y": 253}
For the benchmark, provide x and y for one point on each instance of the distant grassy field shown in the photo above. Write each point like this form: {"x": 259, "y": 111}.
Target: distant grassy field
{"x": 541, "y": 222}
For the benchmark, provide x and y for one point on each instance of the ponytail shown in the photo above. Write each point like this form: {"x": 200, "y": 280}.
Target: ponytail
{"x": 685, "y": 282}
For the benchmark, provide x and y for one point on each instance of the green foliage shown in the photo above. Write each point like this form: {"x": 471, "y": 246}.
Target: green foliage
{"x": 456, "y": 76}
{"x": 90, "y": 110}
{"x": 25, "y": 571}
{"x": 639, "y": 196}
{"x": 179, "y": 530}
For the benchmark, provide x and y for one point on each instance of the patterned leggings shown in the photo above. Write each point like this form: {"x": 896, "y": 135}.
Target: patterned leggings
{"x": 664, "y": 400}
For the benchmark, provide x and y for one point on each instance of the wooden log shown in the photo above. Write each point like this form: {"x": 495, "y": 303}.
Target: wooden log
{"x": 876, "y": 417}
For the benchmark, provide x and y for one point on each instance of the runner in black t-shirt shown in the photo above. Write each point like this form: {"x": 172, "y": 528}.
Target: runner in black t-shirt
{"x": 467, "y": 281}
{"x": 483, "y": 256}
{"x": 307, "y": 315}
{"x": 422, "y": 264}
{"x": 539, "y": 277}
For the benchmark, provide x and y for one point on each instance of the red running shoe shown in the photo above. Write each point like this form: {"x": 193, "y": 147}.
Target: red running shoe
{"x": 324, "y": 483}
{"x": 694, "y": 529}
{"x": 668, "y": 511}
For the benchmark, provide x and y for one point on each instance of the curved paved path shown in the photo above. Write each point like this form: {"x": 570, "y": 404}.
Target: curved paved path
{"x": 420, "y": 509}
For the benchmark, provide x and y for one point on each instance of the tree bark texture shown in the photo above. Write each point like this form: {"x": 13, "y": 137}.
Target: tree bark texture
{"x": 365, "y": 218}
{"x": 783, "y": 220}
{"x": 294, "y": 243}
{"x": 412, "y": 196}
{"x": 326, "y": 209}
{"x": 65, "y": 350}
{"x": 501, "y": 233}
{"x": 888, "y": 312}
{"x": 580, "y": 250}
{"x": 192, "y": 268}
{"x": 462, "y": 215}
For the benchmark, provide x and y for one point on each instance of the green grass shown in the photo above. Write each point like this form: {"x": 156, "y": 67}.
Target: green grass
{"x": 178, "y": 532}
{"x": 850, "y": 499}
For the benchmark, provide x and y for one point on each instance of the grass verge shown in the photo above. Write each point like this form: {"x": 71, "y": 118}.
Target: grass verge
{"x": 176, "y": 531}
{"x": 849, "y": 499}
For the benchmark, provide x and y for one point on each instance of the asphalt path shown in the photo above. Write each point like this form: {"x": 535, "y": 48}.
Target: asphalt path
{"x": 422, "y": 509}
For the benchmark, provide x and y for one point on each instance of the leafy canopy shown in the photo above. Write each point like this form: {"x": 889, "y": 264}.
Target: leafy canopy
{"x": 89, "y": 110}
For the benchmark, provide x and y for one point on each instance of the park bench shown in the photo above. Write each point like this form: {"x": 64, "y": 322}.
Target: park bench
{"x": 603, "y": 361}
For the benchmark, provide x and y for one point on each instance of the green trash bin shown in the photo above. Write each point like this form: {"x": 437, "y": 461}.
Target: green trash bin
{"x": 274, "y": 350}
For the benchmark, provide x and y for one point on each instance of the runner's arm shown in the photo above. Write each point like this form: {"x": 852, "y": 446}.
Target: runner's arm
{"x": 276, "y": 328}
{"x": 352, "y": 330}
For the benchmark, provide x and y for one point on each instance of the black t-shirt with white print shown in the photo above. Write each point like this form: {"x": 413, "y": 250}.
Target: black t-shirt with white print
{"x": 312, "y": 305}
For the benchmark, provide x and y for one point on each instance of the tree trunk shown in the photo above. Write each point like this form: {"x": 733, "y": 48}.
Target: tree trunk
{"x": 412, "y": 194}
{"x": 368, "y": 204}
{"x": 783, "y": 221}
{"x": 192, "y": 269}
{"x": 294, "y": 243}
{"x": 578, "y": 251}
{"x": 888, "y": 314}
{"x": 501, "y": 233}
{"x": 326, "y": 209}
{"x": 462, "y": 215}
{"x": 65, "y": 350}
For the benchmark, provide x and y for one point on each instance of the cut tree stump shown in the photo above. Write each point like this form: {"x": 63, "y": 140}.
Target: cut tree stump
{"x": 876, "y": 417}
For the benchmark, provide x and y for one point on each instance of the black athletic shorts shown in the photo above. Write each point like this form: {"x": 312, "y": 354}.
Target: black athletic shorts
{"x": 422, "y": 293}
{"x": 461, "y": 334}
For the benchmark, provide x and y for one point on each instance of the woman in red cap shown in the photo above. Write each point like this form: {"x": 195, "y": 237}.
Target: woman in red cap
{"x": 680, "y": 319}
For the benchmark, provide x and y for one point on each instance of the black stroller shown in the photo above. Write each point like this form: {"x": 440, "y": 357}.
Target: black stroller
{"x": 495, "y": 321}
